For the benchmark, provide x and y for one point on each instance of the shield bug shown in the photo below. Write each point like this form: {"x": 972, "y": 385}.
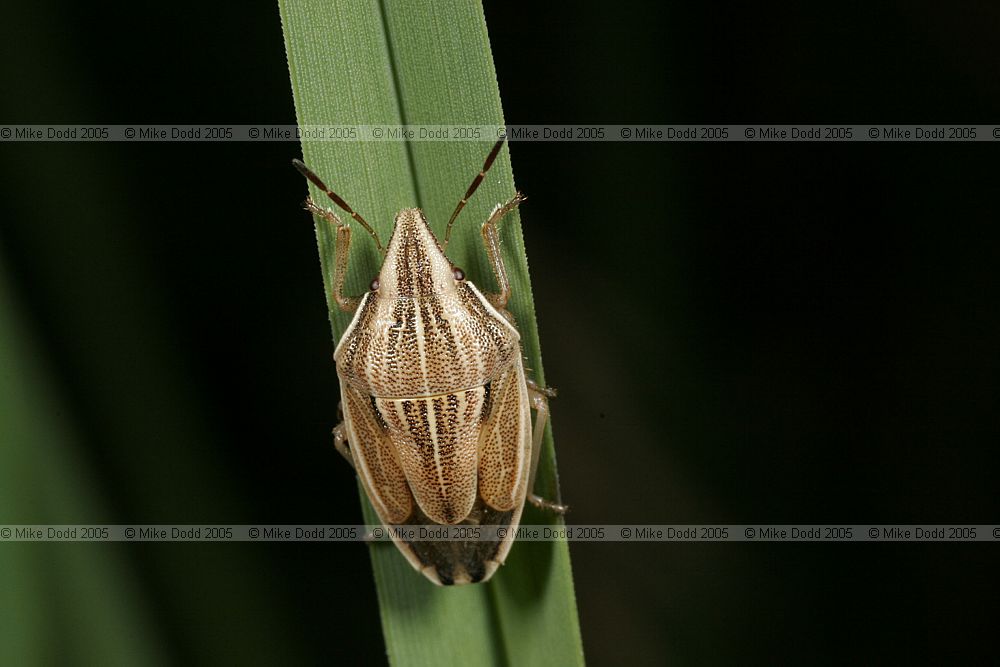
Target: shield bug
{"x": 435, "y": 399}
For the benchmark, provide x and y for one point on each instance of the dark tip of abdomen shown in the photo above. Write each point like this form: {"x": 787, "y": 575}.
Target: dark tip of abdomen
{"x": 477, "y": 572}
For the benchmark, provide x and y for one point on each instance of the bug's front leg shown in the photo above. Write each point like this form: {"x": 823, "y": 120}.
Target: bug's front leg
{"x": 540, "y": 402}
{"x": 346, "y": 303}
{"x": 491, "y": 239}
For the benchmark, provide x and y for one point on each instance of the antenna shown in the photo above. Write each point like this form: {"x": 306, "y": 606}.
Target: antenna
{"x": 472, "y": 188}
{"x": 307, "y": 172}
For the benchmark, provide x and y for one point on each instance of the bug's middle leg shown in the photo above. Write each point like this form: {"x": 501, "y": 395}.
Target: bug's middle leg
{"x": 340, "y": 436}
{"x": 341, "y": 444}
{"x": 491, "y": 239}
{"x": 346, "y": 303}
{"x": 539, "y": 397}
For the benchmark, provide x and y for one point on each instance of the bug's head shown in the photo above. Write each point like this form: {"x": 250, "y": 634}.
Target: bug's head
{"x": 415, "y": 265}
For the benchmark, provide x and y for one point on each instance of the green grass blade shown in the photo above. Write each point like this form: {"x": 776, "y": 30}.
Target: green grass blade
{"x": 423, "y": 62}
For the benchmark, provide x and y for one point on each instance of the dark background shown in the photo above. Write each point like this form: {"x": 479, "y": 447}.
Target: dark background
{"x": 799, "y": 333}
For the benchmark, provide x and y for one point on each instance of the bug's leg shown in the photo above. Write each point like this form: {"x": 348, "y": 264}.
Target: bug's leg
{"x": 346, "y": 303}
{"x": 540, "y": 402}
{"x": 340, "y": 442}
{"x": 491, "y": 239}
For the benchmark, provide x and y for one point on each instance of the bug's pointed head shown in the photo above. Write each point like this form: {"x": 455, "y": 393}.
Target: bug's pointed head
{"x": 414, "y": 265}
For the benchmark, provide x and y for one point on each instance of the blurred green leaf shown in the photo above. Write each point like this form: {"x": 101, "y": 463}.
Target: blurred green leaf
{"x": 423, "y": 62}
{"x": 59, "y": 599}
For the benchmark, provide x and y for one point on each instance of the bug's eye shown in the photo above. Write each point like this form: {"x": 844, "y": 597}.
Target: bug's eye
{"x": 459, "y": 273}
{"x": 374, "y": 286}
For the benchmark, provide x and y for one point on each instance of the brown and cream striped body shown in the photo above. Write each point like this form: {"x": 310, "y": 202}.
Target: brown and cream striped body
{"x": 436, "y": 404}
